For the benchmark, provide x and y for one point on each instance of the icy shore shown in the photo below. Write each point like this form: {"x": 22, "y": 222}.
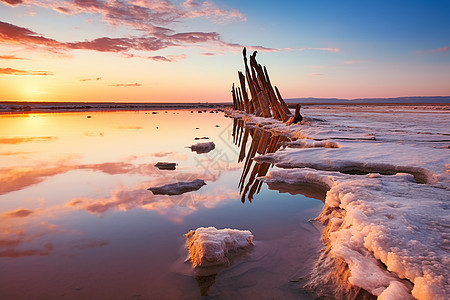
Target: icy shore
{"x": 388, "y": 180}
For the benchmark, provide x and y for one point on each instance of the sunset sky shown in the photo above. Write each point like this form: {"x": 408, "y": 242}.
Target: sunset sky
{"x": 190, "y": 51}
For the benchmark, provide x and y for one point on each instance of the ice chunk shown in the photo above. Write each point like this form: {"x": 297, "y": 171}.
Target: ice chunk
{"x": 178, "y": 188}
{"x": 203, "y": 147}
{"x": 384, "y": 218}
{"x": 166, "y": 166}
{"x": 209, "y": 246}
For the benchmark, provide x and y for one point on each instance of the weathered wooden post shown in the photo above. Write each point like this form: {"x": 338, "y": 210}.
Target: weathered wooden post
{"x": 265, "y": 99}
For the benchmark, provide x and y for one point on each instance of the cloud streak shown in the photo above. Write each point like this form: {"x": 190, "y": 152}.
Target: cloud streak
{"x": 90, "y": 79}
{"x": 20, "y": 140}
{"x": 12, "y": 57}
{"x": 437, "y": 50}
{"x": 10, "y": 71}
{"x": 126, "y": 84}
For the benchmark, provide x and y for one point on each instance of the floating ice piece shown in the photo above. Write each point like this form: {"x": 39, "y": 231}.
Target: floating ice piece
{"x": 203, "y": 147}
{"x": 211, "y": 246}
{"x": 166, "y": 166}
{"x": 178, "y": 188}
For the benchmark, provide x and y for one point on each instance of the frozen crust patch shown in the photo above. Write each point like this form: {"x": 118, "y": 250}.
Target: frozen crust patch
{"x": 209, "y": 246}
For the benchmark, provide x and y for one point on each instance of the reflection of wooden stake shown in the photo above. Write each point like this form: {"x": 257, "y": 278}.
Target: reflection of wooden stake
{"x": 244, "y": 143}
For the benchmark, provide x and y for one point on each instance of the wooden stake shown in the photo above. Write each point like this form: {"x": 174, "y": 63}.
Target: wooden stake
{"x": 284, "y": 105}
{"x": 244, "y": 92}
{"x": 235, "y": 106}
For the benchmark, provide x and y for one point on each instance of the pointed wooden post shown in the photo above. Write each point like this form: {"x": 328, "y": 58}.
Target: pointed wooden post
{"x": 244, "y": 92}
{"x": 235, "y": 106}
{"x": 284, "y": 105}
{"x": 297, "y": 116}
{"x": 251, "y": 87}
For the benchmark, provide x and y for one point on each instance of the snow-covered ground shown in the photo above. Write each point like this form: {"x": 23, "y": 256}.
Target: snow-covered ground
{"x": 387, "y": 171}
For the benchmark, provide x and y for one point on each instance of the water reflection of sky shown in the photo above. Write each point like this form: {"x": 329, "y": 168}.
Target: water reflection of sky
{"x": 77, "y": 219}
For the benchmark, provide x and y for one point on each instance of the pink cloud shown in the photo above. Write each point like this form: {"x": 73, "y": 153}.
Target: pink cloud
{"x": 10, "y": 71}
{"x": 442, "y": 49}
{"x": 191, "y": 3}
{"x": 12, "y": 2}
{"x": 18, "y": 213}
{"x": 145, "y": 16}
{"x": 13, "y": 34}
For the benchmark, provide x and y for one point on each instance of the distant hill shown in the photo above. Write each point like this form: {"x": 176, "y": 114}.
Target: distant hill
{"x": 399, "y": 100}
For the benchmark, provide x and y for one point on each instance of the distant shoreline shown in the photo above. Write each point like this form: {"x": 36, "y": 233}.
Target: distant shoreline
{"x": 41, "y": 107}
{"x": 30, "y": 107}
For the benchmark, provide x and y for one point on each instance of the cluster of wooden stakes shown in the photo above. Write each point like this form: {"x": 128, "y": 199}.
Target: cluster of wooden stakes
{"x": 266, "y": 101}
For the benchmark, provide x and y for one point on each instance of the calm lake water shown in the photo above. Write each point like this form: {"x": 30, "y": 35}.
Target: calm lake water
{"x": 77, "y": 220}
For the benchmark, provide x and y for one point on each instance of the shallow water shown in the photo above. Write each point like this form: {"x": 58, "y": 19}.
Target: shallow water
{"x": 77, "y": 220}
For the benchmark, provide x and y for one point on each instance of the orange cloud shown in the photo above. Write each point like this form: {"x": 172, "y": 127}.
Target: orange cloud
{"x": 10, "y": 57}
{"x": 19, "y": 140}
{"x": 89, "y": 79}
{"x": 10, "y": 71}
{"x": 18, "y": 213}
{"x": 126, "y": 84}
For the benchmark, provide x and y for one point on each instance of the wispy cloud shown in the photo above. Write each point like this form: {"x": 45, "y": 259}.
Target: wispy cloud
{"x": 150, "y": 18}
{"x": 12, "y": 57}
{"x": 10, "y": 71}
{"x": 19, "y": 140}
{"x": 18, "y": 213}
{"x": 12, "y": 34}
{"x": 12, "y": 2}
{"x": 90, "y": 79}
{"x": 126, "y": 84}
{"x": 442, "y": 49}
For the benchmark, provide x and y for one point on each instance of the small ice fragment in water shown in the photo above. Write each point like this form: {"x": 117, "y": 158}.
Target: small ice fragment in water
{"x": 203, "y": 147}
{"x": 178, "y": 188}
{"x": 165, "y": 166}
{"x": 211, "y": 246}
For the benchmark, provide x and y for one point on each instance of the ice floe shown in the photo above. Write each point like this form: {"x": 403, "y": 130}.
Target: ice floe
{"x": 209, "y": 246}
